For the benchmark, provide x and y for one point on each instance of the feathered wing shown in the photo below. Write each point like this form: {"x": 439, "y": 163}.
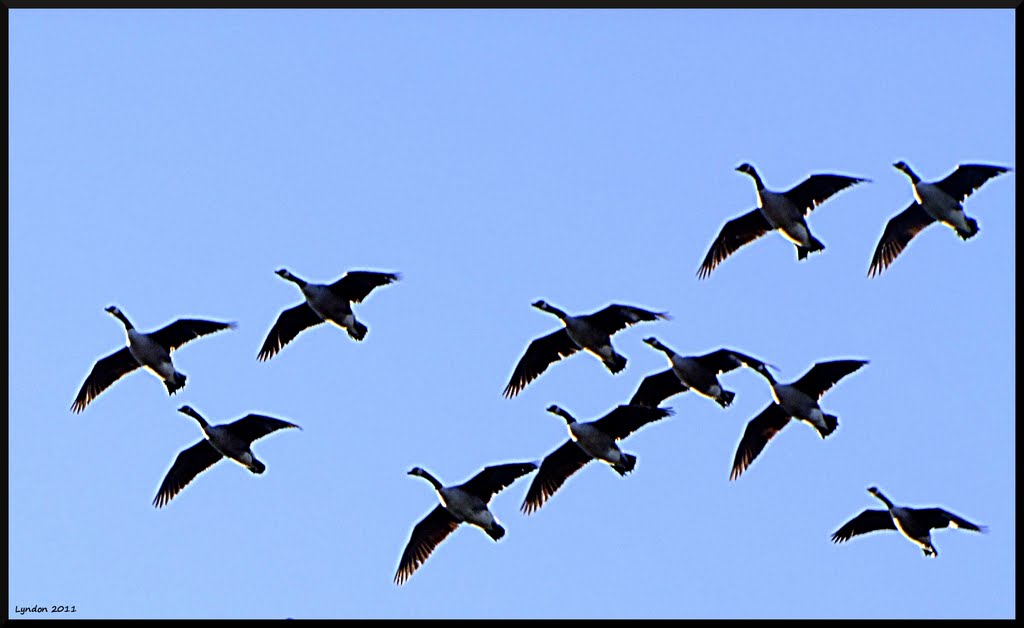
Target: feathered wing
{"x": 189, "y": 463}
{"x": 656, "y": 388}
{"x": 724, "y": 360}
{"x": 899, "y": 231}
{"x": 540, "y": 354}
{"x": 104, "y": 373}
{"x": 357, "y": 284}
{"x": 759, "y": 431}
{"x": 939, "y": 518}
{"x": 967, "y": 178}
{"x": 736, "y": 233}
{"x": 254, "y": 426}
{"x": 825, "y": 375}
{"x": 818, "y": 188}
{"x": 185, "y": 329}
{"x": 624, "y": 420}
{"x": 492, "y": 480}
{"x": 867, "y": 521}
{"x": 617, "y": 317}
{"x": 288, "y": 325}
{"x": 426, "y": 536}
{"x": 555, "y": 469}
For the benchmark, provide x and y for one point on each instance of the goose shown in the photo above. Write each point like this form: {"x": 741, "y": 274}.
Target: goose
{"x": 151, "y": 351}
{"x": 324, "y": 302}
{"x": 589, "y": 332}
{"x": 698, "y": 373}
{"x": 939, "y": 201}
{"x": 915, "y": 524}
{"x": 464, "y": 503}
{"x": 231, "y": 440}
{"x": 798, "y": 400}
{"x": 589, "y": 441}
{"x": 782, "y": 211}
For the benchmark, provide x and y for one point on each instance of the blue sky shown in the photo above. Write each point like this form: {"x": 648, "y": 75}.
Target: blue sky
{"x": 168, "y": 162}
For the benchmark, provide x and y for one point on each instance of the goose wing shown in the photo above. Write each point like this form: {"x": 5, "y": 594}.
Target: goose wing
{"x": 736, "y": 233}
{"x": 185, "y": 329}
{"x": 867, "y": 521}
{"x": 624, "y": 420}
{"x": 492, "y": 480}
{"x": 817, "y": 188}
{"x": 725, "y": 360}
{"x": 555, "y": 469}
{"x": 825, "y": 375}
{"x": 288, "y": 325}
{"x": 939, "y": 518}
{"x": 899, "y": 231}
{"x": 357, "y": 284}
{"x": 105, "y": 372}
{"x": 657, "y": 388}
{"x": 189, "y": 463}
{"x": 760, "y": 430}
{"x": 617, "y": 317}
{"x": 254, "y": 426}
{"x": 540, "y": 354}
{"x": 426, "y": 536}
{"x": 967, "y": 178}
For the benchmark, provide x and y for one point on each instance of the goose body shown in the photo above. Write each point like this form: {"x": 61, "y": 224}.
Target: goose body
{"x": 915, "y": 524}
{"x": 463, "y": 503}
{"x": 784, "y": 212}
{"x": 232, "y": 441}
{"x": 798, "y": 400}
{"x": 696, "y": 373}
{"x": 151, "y": 351}
{"x": 589, "y": 332}
{"x": 593, "y": 440}
{"x": 939, "y": 201}
{"x": 323, "y": 302}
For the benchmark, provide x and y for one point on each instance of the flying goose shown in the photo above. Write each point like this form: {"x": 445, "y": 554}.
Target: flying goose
{"x": 697, "y": 373}
{"x": 589, "y": 441}
{"x": 798, "y": 400}
{"x": 783, "y": 211}
{"x": 914, "y": 523}
{"x": 151, "y": 351}
{"x": 464, "y": 503}
{"x": 324, "y": 302}
{"x": 590, "y": 332}
{"x": 231, "y": 440}
{"x": 937, "y": 201}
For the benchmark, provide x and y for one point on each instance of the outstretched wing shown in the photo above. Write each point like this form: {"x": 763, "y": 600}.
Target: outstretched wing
{"x": 540, "y": 354}
{"x": 657, "y": 388}
{"x": 426, "y": 536}
{"x": 357, "y": 284}
{"x": 939, "y": 518}
{"x": 253, "y": 426}
{"x": 736, "y": 233}
{"x": 617, "y": 317}
{"x": 189, "y": 463}
{"x": 817, "y": 188}
{"x": 105, "y": 372}
{"x": 967, "y": 178}
{"x": 185, "y": 329}
{"x": 760, "y": 430}
{"x": 867, "y": 521}
{"x": 824, "y": 375}
{"x": 899, "y": 231}
{"x": 624, "y": 420}
{"x": 554, "y": 471}
{"x": 288, "y": 325}
{"x": 491, "y": 480}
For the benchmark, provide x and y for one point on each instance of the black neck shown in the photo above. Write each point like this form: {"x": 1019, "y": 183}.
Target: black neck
{"x": 885, "y": 500}
{"x": 429, "y": 478}
{"x": 124, "y": 319}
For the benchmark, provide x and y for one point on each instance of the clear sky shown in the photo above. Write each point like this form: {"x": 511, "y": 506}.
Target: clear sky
{"x": 168, "y": 162}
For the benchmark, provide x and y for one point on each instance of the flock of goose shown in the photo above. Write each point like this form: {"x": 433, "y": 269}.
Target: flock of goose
{"x": 940, "y": 201}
